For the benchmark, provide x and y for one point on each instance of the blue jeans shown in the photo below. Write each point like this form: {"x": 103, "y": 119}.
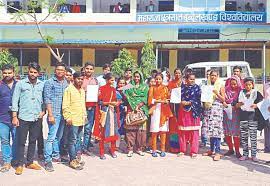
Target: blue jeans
{"x": 8, "y": 151}
{"x": 74, "y": 133}
{"x": 215, "y": 144}
{"x": 88, "y": 128}
{"x": 52, "y": 145}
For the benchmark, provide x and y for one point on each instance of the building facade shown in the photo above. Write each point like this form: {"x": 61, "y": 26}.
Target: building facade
{"x": 183, "y": 31}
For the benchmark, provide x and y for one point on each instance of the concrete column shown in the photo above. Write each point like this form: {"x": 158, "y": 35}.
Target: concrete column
{"x": 88, "y": 55}
{"x": 177, "y": 5}
{"x": 172, "y": 60}
{"x": 89, "y": 6}
{"x": 44, "y": 57}
{"x": 224, "y": 55}
{"x": 133, "y": 7}
{"x": 222, "y": 5}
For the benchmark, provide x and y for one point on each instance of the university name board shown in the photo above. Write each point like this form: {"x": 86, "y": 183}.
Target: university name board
{"x": 202, "y": 16}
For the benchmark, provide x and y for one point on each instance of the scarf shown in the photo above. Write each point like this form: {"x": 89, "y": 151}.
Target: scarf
{"x": 192, "y": 93}
{"x": 137, "y": 95}
{"x": 232, "y": 95}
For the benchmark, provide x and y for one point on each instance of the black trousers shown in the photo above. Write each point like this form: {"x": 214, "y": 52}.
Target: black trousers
{"x": 40, "y": 140}
{"x": 25, "y": 127}
{"x": 64, "y": 142}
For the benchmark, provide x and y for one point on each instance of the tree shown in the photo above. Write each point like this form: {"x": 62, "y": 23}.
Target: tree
{"x": 7, "y": 58}
{"x": 148, "y": 58}
{"x": 125, "y": 60}
{"x": 30, "y": 14}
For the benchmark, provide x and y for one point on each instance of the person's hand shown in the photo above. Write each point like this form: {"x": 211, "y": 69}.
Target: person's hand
{"x": 125, "y": 108}
{"x": 51, "y": 119}
{"x": 254, "y": 106}
{"x": 41, "y": 114}
{"x": 15, "y": 121}
{"x": 215, "y": 92}
{"x": 238, "y": 105}
{"x": 69, "y": 122}
{"x": 225, "y": 105}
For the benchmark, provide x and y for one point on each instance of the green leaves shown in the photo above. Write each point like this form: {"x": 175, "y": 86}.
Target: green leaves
{"x": 148, "y": 58}
{"x": 125, "y": 60}
{"x": 7, "y": 58}
{"x": 48, "y": 39}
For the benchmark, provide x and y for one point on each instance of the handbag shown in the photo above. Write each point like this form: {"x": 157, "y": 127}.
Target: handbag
{"x": 135, "y": 118}
{"x": 103, "y": 114}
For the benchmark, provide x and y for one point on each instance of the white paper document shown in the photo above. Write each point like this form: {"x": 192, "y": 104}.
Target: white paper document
{"x": 207, "y": 93}
{"x": 228, "y": 111}
{"x": 263, "y": 107}
{"x": 92, "y": 93}
{"x": 247, "y": 105}
{"x": 176, "y": 95}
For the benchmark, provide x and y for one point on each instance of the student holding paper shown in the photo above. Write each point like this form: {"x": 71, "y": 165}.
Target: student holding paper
{"x": 231, "y": 120}
{"x": 189, "y": 116}
{"x": 89, "y": 81}
{"x": 212, "y": 125}
{"x": 247, "y": 101}
{"x": 158, "y": 102}
{"x": 172, "y": 138}
{"x": 107, "y": 132}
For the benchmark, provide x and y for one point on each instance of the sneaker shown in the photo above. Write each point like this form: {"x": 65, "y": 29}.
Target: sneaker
{"x": 130, "y": 154}
{"x": 180, "y": 154}
{"x": 102, "y": 157}
{"x": 88, "y": 153}
{"x": 34, "y": 166}
{"x": 162, "y": 154}
{"x": 75, "y": 165}
{"x": 49, "y": 167}
{"x": 254, "y": 159}
{"x": 65, "y": 159}
{"x": 224, "y": 144}
{"x": 243, "y": 158}
{"x": 154, "y": 154}
{"x": 19, "y": 170}
{"x": 141, "y": 153}
{"x": 5, "y": 167}
{"x": 208, "y": 153}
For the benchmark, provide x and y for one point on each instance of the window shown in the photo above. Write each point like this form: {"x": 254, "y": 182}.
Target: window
{"x": 245, "y": 72}
{"x": 105, "y": 56}
{"x": 72, "y": 57}
{"x": 163, "y": 59}
{"x": 198, "y": 33}
{"x": 253, "y": 57}
{"x": 165, "y": 6}
{"x": 222, "y": 71}
{"x": 25, "y": 56}
{"x": 111, "y": 6}
{"x": 199, "y": 72}
{"x": 246, "y": 5}
{"x": 30, "y": 5}
{"x": 200, "y": 4}
{"x": 70, "y": 6}
{"x": 185, "y": 57}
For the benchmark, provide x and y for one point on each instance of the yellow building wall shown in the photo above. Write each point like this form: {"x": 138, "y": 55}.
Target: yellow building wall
{"x": 45, "y": 60}
{"x": 88, "y": 55}
{"x": 134, "y": 53}
{"x": 172, "y": 60}
{"x": 224, "y": 55}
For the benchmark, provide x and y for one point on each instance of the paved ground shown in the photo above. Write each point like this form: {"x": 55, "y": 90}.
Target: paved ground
{"x": 137, "y": 170}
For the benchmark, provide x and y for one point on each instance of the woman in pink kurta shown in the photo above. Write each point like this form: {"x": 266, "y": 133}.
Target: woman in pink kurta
{"x": 189, "y": 116}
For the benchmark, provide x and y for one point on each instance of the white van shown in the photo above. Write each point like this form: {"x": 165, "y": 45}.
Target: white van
{"x": 225, "y": 69}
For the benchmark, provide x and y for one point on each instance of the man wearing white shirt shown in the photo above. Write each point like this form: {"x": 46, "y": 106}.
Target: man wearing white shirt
{"x": 106, "y": 69}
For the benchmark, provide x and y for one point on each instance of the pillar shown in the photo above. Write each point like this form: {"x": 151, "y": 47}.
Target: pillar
{"x": 88, "y": 55}
{"x": 224, "y": 55}
{"x": 89, "y": 6}
{"x": 172, "y": 60}
{"x": 44, "y": 57}
{"x": 267, "y": 64}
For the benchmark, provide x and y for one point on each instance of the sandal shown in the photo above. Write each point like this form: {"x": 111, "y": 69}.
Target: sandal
{"x": 208, "y": 153}
{"x": 180, "y": 154}
{"x": 217, "y": 157}
{"x": 193, "y": 156}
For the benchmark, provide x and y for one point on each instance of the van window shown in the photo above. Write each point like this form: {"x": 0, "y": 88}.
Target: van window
{"x": 199, "y": 72}
{"x": 245, "y": 72}
{"x": 222, "y": 71}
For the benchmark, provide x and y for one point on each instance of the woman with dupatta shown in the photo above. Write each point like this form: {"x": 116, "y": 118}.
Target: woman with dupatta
{"x": 107, "y": 132}
{"x": 172, "y": 138}
{"x": 212, "y": 125}
{"x": 231, "y": 120}
{"x": 189, "y": 116}
{"x": 160, "y": 111}
{"x": 137, "y": 100}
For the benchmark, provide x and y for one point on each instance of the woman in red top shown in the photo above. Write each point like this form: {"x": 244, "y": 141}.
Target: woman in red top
{"x": 108, "y": 103}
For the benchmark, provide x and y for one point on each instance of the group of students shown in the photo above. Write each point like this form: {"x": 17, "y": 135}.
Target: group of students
{"x": 73, "y": 122}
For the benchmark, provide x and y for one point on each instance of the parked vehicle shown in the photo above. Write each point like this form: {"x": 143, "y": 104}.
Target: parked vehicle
{"x": 225, "y": 69}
